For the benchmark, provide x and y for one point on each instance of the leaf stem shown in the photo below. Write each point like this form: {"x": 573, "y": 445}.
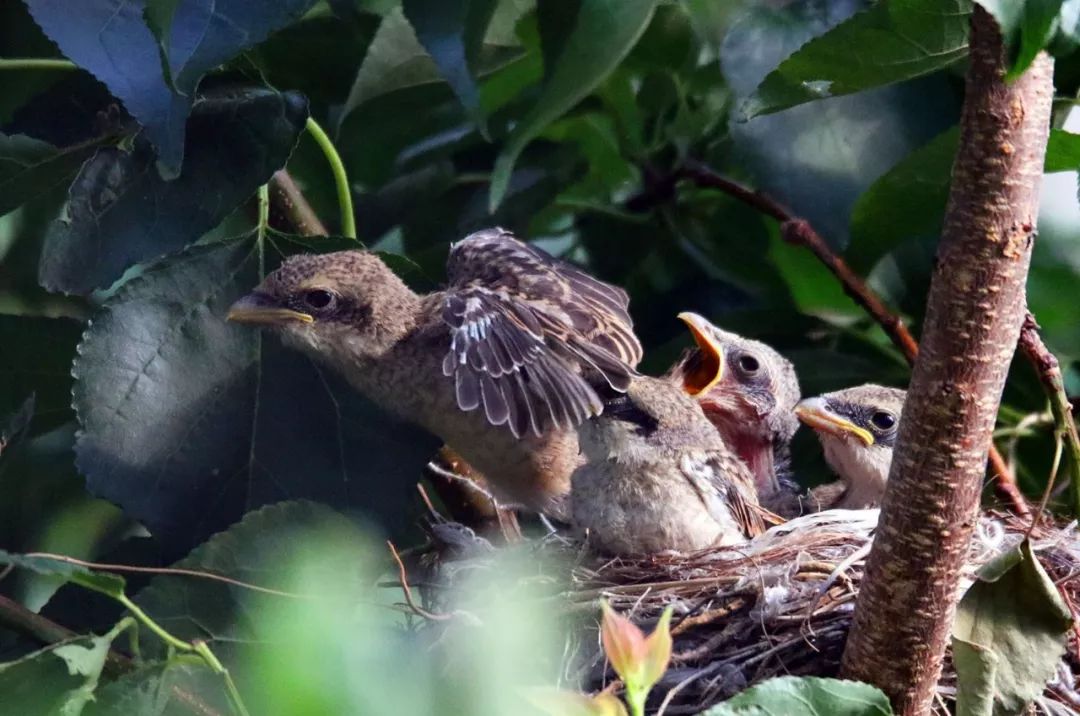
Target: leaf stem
{"x": 341, "y": 179}
{"x": 36, "y": 63}
{"x": 198, "y": 647}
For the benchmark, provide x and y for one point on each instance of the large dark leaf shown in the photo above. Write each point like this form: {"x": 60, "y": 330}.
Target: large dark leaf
{"x": 111, "y": 39}
{"x": 30, "y": 167}
{"x": 36, "y": 359}
{"x": 189, "y": 421}
{"x": 584, "y": 41}
{"x": 121, "y": 212}
{"x": 890, "y": 42}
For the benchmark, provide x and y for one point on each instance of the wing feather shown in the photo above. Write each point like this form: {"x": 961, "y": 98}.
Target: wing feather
{"x": 532, "y": 335}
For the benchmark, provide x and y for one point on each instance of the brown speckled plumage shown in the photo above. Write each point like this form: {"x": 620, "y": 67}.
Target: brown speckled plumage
{"x": 658, "y": 477}
{"x": 501, "y": 364}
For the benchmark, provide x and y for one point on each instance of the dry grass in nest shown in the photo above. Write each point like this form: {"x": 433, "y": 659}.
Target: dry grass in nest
{"x": 780, "y": 605}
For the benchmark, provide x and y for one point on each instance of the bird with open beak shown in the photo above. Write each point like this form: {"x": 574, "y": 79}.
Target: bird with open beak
{"x": 502, "y": 364}
{"x": 748, "y": 391}
{"x": 857, "y": 429}
{"x": 658, "y": 477}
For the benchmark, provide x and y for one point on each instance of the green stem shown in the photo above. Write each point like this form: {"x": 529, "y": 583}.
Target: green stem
{"x": 145, "y": 620}
{"x": 635, "y": 699}
{"x": 264, "y": 210}
{"x": 203, "y": 650}
{"x": 35, "y": 63}
{"x": 341, "y": 179}
{"x": 199, "y": 647}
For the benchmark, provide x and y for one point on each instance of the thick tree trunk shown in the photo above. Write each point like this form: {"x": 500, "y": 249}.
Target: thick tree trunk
{"x": 974, "y": 312}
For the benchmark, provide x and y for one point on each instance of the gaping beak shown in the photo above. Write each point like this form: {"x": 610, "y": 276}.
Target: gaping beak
{"x": 815, "y": 413}
{"x": 260, "y": 309}
{"x": 709, "y": 370}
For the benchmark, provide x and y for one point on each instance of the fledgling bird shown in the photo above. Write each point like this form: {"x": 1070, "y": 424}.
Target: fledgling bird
{"x": 658, "y": 477}
{"x": 501, "y": 364}
{"x": 748, "y": 391}
{"x": 857, "y": 429}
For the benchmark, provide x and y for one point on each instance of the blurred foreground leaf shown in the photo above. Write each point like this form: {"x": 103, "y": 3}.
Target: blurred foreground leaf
{"x": 1008, "y": 636}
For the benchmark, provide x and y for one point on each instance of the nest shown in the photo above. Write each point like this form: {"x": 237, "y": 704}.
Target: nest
{"x": 779, "y": 605}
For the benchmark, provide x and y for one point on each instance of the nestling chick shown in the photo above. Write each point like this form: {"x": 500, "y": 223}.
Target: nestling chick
{"x": 857, "y": 429}
{"x": 659, "y": 477}
{"x": 501, "y": 364}
{"x": 749, "y": 392}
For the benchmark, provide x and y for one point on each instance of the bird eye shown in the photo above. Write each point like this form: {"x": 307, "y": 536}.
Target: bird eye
{"x": 318, "y": 298}
{"x": 748, "y": 364}
{"x": 882, "y": 420}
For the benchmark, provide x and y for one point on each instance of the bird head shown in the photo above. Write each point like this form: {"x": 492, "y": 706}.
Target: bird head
{"x": 740, "y": 383}
{"x": 857, "y": 429}
{"x": 652, "y": 419}
{"x": 348, "y": 302}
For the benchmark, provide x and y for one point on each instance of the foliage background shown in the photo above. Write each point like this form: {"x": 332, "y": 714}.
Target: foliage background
{"x": 129, "y": 226}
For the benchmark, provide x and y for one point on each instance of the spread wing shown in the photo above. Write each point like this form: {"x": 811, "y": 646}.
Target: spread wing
{"x": 531, "y": 335}
{"x": 724, "y": 485}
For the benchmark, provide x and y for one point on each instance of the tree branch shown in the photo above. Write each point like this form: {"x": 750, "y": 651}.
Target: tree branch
{"x": 975, "y": 309}
{"x": 799, "y": 232}
{"x": 289, "y": 205}
{"x": 1049, "y": 371}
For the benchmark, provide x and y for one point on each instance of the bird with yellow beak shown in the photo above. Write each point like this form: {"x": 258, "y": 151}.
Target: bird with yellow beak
{"x": 857, "y": 428}
{"x": 748, "y": 391}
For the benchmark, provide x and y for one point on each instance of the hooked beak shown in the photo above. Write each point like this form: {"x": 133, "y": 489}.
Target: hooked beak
{"x": 262, "y": 310}
{"x": 815, "y": 413}
{"x": 710, "y": 370}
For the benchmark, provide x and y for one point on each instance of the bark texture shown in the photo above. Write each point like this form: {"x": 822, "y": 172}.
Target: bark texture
{"x": 974, "y": 313}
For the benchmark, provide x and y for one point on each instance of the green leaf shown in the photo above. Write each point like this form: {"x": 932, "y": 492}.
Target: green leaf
{"x": 574, "y": 67}
{"x": 59, "y": 680}
{"x": 892, "y": 41}
{"x": 395, "y": 59}
{"x": 16, "y": 426}
{"x": 806, "y": 696}
{"x": 121, "y": 212}
{"x": 36, "y": 359}
{"x": 29, "y": 167}
{"x": 1037, "y": 29}
{"x": 1008, "y": 13}
{"x": 452, "y": 31}
{"x": 108, "y": 584}
{"x": 1009, "y": 635}
{"x": 908, "y": 200}
{"x": 188, "y": 421}
{"x": 261, "y": 550}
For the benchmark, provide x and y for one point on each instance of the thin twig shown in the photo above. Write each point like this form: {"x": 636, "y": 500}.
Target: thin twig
{"x": 172, "y": 571}
{"x": 403, "y": 580}
{"x": 799, "y": 232}
{"x": 1049, "y": 371}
